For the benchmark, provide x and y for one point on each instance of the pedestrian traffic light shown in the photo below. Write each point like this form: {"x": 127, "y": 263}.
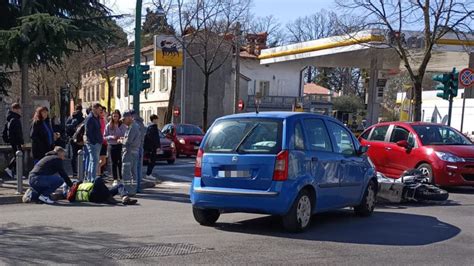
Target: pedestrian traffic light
{"x": 143, "y": 77}
{"x": 454, "y": 82}
{"x": 444, "y": 87}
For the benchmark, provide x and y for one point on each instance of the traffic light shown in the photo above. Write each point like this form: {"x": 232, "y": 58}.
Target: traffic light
{"x": 454, "y": 82}
{"x": 143, "y": 77}
{"x": 131, "y": 84}
{"x": 444, "y": 87}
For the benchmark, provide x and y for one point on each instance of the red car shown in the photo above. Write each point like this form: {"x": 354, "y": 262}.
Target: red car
{"x": 441, "y": 152}
{"x": 187, "y": 138}
{"x": 167, "y": 153}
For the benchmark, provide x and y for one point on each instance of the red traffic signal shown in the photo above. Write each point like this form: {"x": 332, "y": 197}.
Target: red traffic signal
{"x": 240, "y": 105}
{"x": 176, "y": 111}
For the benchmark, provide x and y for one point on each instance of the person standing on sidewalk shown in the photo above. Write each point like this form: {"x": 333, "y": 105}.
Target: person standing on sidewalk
{"x": 42, "y": 134}
{"x": 72, "y": 124}
{"x": 103, "y": 148}
{"x": 114, "y": 131}
{"x": 93, "y": 141}
{"x": 48, "y": 175}
{"x": 130, "y": 154}
{"x": 152, "y": 145}
{"x": 14, "y": 136}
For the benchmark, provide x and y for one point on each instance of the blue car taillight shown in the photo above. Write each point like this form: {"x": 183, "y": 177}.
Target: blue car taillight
{"x": 280, "y": 173}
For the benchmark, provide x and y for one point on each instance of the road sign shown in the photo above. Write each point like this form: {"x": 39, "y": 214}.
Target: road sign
{"x": 168, "y": 51}
{"x": 466, "y": 77}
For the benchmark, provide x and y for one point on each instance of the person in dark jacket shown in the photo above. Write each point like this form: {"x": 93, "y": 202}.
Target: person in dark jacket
{"x": 93, "y": 141}
{"x": 72, "y": 124}
{"x": 49, "y": 174}
{"x": 42, "y": 134}
{"x": 15, "y": 135}
{"x": 152, "y": 145}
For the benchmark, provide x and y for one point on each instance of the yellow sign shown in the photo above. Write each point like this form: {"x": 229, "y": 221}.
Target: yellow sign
{"x": 168, "y": 51}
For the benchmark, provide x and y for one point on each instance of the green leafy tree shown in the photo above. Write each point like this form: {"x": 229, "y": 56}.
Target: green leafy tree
{"x": 348, "y": 103}
{"x": 36, "y": 32}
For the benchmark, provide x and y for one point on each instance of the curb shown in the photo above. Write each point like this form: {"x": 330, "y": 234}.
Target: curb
{"x": 10, "y": 199}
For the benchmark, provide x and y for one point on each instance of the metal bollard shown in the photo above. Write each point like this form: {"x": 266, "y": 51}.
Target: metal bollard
{"x": 80, "y": 165}
{"x": 19, "y": 172}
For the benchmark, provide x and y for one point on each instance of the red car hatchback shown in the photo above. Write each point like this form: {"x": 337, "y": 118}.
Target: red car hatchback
{"x": 187, "y": 138}
{"x": 441, "y": 152}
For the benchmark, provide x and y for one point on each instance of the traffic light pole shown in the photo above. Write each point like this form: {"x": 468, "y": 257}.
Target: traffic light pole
{"x": 450, "y": 110}
{"x": 136, "y": 58}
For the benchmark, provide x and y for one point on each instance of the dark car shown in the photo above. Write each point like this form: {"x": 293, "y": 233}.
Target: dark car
{"x": 168, "y": 150}
{"x": 186, "y": 137}
{"x": 441, "y": 152}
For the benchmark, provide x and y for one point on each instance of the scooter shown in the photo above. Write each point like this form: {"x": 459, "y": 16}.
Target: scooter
{"x": 412, "y": 186}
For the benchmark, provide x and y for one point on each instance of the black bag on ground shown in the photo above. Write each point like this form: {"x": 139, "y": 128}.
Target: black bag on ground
{"x": 100, "y": 193}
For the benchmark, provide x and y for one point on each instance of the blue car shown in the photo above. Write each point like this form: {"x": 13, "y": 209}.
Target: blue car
{"x": 281, "y": 163}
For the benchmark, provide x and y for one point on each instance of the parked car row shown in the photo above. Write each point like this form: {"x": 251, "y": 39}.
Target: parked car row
{"x": 178, "y": 139}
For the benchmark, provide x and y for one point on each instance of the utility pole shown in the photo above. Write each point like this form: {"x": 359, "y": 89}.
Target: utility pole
{"x": 238, "y": 34}
{"x": 450, "y": 110}
{"x": 136, "y": 58}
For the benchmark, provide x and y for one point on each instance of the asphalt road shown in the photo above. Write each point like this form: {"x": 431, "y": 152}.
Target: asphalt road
{"x": 161, "y": 230}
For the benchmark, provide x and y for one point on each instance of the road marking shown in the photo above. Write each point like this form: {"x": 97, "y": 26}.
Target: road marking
{"x": 179, "y": 177}
{"x": 174, "y": 184}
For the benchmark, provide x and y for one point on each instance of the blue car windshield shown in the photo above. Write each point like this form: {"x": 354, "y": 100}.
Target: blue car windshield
{"x": 245, "y": 136}
{"x": 440, "y": 135}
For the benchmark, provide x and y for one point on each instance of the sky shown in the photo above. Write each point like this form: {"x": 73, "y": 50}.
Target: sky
{"x": 284, "y": 10}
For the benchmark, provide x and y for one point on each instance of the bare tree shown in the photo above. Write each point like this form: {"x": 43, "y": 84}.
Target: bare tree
{"x": 318, "y": 25}
{"x": 270, "y": 25}
{"x": 207, "y": 29}
{"x": 433, "y": 18}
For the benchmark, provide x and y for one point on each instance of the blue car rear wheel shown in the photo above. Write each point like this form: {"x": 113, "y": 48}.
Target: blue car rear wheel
{"x": 206, "y": 217}
{"x": 298, "y": 218}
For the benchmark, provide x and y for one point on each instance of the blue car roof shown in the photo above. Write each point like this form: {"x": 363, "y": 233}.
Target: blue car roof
{"x": 281, "y": 115}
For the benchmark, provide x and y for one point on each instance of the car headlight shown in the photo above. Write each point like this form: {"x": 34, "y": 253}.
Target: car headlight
{"x": 172, "y": 145}
{"x": 182, "y": 141}
{"x": 448, "y": 157}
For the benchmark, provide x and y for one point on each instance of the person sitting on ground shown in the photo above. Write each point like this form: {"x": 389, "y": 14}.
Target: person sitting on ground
{"x": 48, "y": 175}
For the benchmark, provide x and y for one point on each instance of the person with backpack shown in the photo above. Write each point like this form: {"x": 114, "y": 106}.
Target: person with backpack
{"x": 72, "y": 124}
{"x": 98, "y": 192}
{"x": 13, "y": 134}
{"x": 152, "y": 145}
{"x": 113, "y": 132}
{"x": 42, "y": 134}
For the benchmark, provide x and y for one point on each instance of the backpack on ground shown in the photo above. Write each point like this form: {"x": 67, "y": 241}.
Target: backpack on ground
{"x": 5, "y": 135}
{"x": 83, "y": 192}
{"x": 71, "y": 195}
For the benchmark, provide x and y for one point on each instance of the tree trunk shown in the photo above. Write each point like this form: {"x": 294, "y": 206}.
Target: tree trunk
{"x": 206, "y": 100}
{"x": 417, "y": 97}
{"x": 169, "y": 112}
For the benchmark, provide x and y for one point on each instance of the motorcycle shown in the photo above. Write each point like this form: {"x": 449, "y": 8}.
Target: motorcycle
{"x": 412, "y": 186}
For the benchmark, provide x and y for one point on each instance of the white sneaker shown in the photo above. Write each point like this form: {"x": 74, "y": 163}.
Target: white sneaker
{"x": 9, "y": 172}
{"x": 150, "y": 177}
{"x": 115, "y": 183}
{"x": 46, "y": 199}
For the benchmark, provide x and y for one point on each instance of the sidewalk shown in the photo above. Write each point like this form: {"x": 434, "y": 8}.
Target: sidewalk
{"x": 8, "y": 187}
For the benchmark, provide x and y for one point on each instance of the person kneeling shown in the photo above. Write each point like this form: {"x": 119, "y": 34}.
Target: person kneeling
{"x": 48, "y": 175}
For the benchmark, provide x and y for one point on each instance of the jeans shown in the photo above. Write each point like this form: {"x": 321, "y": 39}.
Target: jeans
{"x": 116, "y": 158}
{"x": 130, "y": 170}
{"x": 45, "y": 185}
{"x": 118, "y": 189}
{"x": 93, "y": 161}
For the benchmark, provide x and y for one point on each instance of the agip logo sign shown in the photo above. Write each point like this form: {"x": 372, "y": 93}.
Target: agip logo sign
{"x": 168, "y": 51}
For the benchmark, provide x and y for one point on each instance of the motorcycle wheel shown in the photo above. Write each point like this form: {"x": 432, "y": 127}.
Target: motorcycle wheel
{"x": 431, "y": 193}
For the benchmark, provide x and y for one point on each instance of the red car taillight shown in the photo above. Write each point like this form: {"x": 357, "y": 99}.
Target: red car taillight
{"x": 281, "y": 167}
{"x": 198, "y": 166}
